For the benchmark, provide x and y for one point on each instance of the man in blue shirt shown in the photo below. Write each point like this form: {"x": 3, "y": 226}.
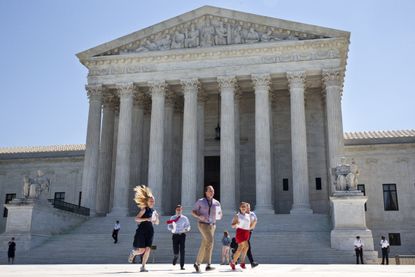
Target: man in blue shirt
{"x": 179, "y": 225}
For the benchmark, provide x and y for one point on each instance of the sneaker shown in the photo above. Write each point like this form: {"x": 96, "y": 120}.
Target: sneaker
{"x": 254, "y": 264}
{"x": 232, "y": 265}
{"x": 197, "y": 267}
{"x": 143, "y": 269}
{"x": 242, "y": 265}
{"x": 175, "y": 260}
{"x": 209, "y": 268}
{"x": 131, "y": 257}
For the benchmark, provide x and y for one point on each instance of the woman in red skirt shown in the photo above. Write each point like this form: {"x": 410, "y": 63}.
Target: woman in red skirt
{"x": 242, "y": 222}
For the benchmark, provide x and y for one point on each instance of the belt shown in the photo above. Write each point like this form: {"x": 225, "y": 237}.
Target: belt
{"x": 206, "y": 223}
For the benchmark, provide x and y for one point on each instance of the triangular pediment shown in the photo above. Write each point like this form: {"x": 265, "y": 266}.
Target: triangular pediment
{"x": 209, "y": 27}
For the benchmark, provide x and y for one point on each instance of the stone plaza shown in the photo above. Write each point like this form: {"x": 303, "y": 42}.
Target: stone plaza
{"x": 248, "y": 104}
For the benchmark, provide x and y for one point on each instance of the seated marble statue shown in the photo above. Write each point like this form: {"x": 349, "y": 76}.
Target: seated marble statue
{"x": 37, "y": 187}
{"x": 346, "y": 175}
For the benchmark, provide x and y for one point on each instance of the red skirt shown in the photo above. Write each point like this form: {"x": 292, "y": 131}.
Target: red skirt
{"x": 242, "y": 235}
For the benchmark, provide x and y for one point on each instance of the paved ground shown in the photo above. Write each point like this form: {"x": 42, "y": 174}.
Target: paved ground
{"x": 161, "y": 270}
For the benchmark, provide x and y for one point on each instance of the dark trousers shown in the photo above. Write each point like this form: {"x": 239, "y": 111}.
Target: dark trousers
{"x": 115, "y": 235}
{"x": 359, "y": 253}
{"x": 179, "y": 246}
{"x": 385, "y": 255}
{"x": 249, "y": 253}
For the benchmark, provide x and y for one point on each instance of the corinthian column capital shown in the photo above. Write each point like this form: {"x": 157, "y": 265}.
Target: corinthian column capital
{"x": 332, "y": 77}
{"x": 192, "y": 84}
{"x": 94, "y": 92}
{"x": 261, "y": 81}
{"x": 125, "y": 89}
{"x": 157, "y": 87}
{"x": 296, "y": 79}
{"x": 227, "y": 82}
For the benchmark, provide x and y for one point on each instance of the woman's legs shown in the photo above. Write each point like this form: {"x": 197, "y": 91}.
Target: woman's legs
{"x": 237, "y": 253}
{"x": 146, "y": 255}
{"x": 244, "y": 251}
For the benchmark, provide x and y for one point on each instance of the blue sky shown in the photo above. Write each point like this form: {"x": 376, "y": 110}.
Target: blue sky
{"x": 43, "y": 101}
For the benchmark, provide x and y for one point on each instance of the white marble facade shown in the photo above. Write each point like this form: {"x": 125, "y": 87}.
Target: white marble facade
{"x": 276, "y": 82}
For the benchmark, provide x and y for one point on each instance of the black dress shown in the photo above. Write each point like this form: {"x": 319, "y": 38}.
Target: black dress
{"x": 12, "y": 249}
{"x": 145, "y": 231}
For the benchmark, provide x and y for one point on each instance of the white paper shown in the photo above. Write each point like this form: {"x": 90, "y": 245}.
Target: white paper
{"x": 218, "y": 213}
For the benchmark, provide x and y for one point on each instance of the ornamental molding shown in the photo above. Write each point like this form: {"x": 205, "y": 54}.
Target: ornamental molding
{"x": 296, "y": 80}
{"x": 249, "y": 54}
{"x": 332, "y": 77}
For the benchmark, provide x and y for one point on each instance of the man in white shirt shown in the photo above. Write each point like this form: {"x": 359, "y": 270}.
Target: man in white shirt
{"x": 384, "y": 244}
{"x": 179, "y": 225}
{"x": 358, "y": 248}
{"x": 115, "y": 231}
{"x": 254, "y": 219}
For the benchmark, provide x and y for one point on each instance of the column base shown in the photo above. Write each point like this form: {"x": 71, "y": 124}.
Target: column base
{"x": 117, "y": 211}
{"x": 301, "y": 211}
{"x": 264, "y": 210}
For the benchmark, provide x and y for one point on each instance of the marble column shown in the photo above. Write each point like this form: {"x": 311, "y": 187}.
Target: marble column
{"x": 189, "y": 156}
{"x": 333, "y": 93}
{"x": 136, "y": 149}
{"x": 90, "y": 172}
{"x": 262, "y": 144}
{"x": 155, "y": 160}
{"x": 122, "y": 164}
{"x": 105, "y": 156}
{"x": 168, "y": 153}
{"x": 227, "y": 86}
{"x": 114, "y": 149}
{"x": 238, "y": 96}
{"x": 301, "y": 201}
{"x": 201, "y": 101}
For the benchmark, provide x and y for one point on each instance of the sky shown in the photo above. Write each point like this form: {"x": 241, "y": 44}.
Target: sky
{"x": 42, "y": 95}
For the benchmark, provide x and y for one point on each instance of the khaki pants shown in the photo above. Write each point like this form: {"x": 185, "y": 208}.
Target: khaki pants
{"x": 206, "y": 247}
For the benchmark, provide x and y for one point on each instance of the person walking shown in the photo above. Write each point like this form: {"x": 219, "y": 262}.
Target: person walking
{"x": 226, "y": 246}
{"x": 143, "y": 239}
{"x": 358, "y": 248}
{"x": 206, "y": 210}
{"x": 11, "y": 252}
{"x": 254, "y": 221}
{"x": 384, "y": 244}
{"x": 115, "y": 231}
{"x": 242, "y": 222}
{"x": 179, "y": 225}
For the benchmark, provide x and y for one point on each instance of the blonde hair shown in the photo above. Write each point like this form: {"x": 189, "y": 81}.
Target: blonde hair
{"x": 142, "y": 195}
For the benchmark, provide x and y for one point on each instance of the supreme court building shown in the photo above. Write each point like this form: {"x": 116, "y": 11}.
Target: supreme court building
{"x": 158, "y": 97}
{"x": 248, "y": 104}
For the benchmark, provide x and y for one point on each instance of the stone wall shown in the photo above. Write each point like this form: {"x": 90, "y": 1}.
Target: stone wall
{"x": 63, "y": 169}
{"x": 388, "y": 164}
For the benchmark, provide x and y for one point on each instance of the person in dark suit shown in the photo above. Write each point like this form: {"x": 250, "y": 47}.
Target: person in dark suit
{"x": 11, "y": 253}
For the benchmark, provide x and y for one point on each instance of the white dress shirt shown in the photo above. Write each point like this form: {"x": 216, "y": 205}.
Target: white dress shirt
{"x": 117, "y": 226}
{"x": 358, "y": 243}
{"x": 384, "y": 243}
{"x": 181, "y": 226}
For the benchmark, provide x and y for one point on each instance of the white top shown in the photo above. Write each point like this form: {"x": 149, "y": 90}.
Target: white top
{"x": 358, "y": 243}
{"x": 181, "y": 226}
{"x": 244, "y": 221}
{"x": 117, "y": 226}
{"x": 384, "y": 243}
{"x": 253, "y": 216}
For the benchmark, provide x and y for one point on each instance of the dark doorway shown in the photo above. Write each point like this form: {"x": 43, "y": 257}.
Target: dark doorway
{"x": 212, "y": 174}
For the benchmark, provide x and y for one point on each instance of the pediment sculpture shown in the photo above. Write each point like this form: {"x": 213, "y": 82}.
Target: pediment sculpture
{"x": 210, "y": 31}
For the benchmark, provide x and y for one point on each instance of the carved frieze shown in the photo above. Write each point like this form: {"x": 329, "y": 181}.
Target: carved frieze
{"x": 210, "y": 31}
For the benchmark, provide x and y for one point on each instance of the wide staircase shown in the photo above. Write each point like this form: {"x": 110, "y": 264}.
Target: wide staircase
{"x": 277, "y": 239}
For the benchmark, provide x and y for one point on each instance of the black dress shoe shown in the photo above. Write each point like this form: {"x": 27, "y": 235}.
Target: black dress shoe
{"x": 209, "y": 268}
{"x": 254, "y": 264}
{"x": 197, "y": 267}
{"x": 182, "y": 268}
{"x": 174, "y": 260}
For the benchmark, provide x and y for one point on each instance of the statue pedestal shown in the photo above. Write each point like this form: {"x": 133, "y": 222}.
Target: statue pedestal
{"x": 349, "y": 221}
{"x": 31, "y": 221}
